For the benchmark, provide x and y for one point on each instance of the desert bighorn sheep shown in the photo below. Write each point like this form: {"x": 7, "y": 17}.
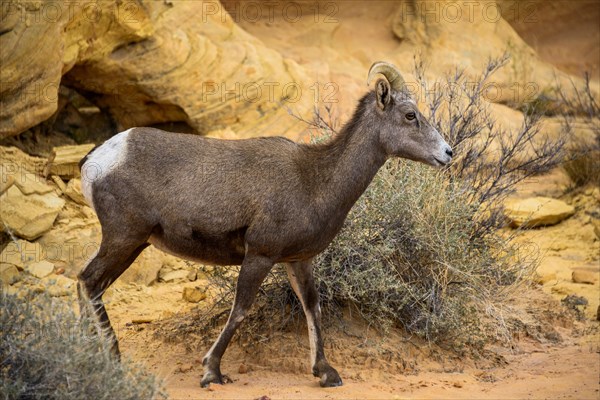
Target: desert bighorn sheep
{"x": 253, "y": 202}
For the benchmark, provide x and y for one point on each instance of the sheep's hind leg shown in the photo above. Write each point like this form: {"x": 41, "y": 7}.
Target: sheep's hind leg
{"x": 111, "y": 260}
{"x": 303, "y": 283}
{"x": 253, "y": 272}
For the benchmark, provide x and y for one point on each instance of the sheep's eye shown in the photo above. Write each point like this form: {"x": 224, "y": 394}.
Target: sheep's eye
{"x": 410, "y": 116}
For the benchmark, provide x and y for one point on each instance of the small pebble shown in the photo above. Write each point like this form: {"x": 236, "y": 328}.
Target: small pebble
{"x": 185, "y": 368}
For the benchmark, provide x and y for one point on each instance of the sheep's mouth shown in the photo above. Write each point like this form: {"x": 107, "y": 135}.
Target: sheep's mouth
{"x": 439, "y": 163}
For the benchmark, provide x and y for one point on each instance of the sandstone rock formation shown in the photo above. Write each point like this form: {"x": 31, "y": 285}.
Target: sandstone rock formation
{"x": 146, "y": 267}
{"x": 19, "y": 165}
{"x": 562, "y": 33}
{"x": 65, "y": 160}
{"x": 30, "y": 77}
{"x": 194, "y": 294}
{"x": 28, "y": 216}
{"x": 41, "y": 41}
{"x": 585, "y": 276}
{"x": 202, "y": 70}
{"x": 9, "y": 274}
{"x": 28, "y": 205}
{"x": 172, "y": 276}
{"x": 145, "y": 63}
{"x": 40, "y": 269}
{"x": 21, "y": 253}
{"x": 447, "y": 35}
{"x": 466, "y": 35}
{"x": 200, "y": 63}
{"x": 73, "y": 191}
{"x": 74, "y": 238}
{"x": 537, "y": 211}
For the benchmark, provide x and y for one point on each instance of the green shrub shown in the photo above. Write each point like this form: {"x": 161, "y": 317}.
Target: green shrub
{"x": 47, "y": 352}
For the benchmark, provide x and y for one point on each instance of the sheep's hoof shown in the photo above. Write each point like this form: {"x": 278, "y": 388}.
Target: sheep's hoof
{"x": 329, "y": 376}
{"x": 211, "y": 377}
{"x": 330, "y": 379}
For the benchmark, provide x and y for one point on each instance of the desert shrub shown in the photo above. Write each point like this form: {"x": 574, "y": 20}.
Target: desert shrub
{"x": 407, "y": 256}
{"x": 421, "y": 248}
{"x": 47, "y": 352}
{"x": 490, "y": 159}
{"x": 582, "y": 162}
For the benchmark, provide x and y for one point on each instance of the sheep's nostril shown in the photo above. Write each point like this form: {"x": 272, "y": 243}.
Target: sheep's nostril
{"x": 449, "y": 152}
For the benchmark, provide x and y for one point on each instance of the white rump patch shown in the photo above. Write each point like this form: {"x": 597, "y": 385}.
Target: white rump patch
{"x": 103, "y": 160}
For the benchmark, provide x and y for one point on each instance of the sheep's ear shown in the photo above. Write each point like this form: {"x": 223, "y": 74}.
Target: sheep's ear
{"x": 383, "y": 93}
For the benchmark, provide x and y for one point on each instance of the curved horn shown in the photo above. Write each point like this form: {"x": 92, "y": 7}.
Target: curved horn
{"x": 390, "y": 72}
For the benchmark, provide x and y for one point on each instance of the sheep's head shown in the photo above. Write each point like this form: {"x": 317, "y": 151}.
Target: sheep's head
{"x": 404, "y": 131}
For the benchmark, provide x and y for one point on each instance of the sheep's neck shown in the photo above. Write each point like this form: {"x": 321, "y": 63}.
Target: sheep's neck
{"x": 351, "y": 161}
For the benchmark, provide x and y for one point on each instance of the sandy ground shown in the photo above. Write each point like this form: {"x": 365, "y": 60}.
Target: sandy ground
{"x": 569, "y": 370}
{"x": 566, "y": 372}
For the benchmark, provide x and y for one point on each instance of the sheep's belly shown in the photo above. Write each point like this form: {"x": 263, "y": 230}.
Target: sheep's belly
{"x": 224, "y": 249}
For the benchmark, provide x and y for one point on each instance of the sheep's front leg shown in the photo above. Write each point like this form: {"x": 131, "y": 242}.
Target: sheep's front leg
{"x": 303, "y": 283}
{"x": 253, "y": 272}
